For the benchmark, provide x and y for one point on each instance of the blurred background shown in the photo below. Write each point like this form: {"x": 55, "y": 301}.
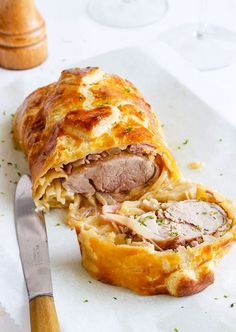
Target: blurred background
{"x": 73, "y": 35}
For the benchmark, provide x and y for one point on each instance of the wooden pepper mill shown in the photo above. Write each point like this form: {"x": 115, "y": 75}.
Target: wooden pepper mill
{"x": 23, "y": 41}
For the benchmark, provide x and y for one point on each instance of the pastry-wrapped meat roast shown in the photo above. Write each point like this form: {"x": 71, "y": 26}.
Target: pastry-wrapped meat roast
{"x": 91, "y": 134}
{"x": 92, "y": 140}
{"x": 167, "y": 242}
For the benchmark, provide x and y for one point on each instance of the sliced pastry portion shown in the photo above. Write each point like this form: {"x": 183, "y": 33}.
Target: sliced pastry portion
{"x": 91, "y": 132}
{"x": 168, "y": 242}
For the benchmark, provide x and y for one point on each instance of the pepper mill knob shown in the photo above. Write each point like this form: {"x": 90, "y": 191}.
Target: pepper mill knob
{"x": 23, "y": 40}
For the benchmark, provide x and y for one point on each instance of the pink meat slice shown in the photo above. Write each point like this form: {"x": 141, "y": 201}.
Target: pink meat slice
{"x": 187, "y": 222}
{"x": 203, "y": 215}
{"x": 178, "y": 223}
{"x": 141, "y": 149}
{"x": 116, "y": 174}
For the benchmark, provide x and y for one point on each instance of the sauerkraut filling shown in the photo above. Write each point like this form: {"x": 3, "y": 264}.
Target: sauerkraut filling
{"x": 163, "y": 226}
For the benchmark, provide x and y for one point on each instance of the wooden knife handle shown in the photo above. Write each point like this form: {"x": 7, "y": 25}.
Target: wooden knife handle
{"x": 43, "y": 316}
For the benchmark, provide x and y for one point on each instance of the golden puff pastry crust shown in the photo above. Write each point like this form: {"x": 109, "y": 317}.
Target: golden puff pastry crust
{"x": 182, "y": 271}
{"x": 85, "y": 112}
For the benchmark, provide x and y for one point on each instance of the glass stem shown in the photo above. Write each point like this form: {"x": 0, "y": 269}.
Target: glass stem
{"x": 201, "y": 29}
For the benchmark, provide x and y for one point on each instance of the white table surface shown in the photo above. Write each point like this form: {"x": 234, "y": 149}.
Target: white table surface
{"x": 74, "y": 36}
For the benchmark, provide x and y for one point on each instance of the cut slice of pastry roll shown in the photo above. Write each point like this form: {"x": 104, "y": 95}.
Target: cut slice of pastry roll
{"x": 91, "y": 132}
{"x": 167, "y": 242}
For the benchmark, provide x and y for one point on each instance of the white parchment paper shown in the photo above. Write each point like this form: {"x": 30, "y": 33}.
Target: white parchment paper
{"x": 210, "y": 139}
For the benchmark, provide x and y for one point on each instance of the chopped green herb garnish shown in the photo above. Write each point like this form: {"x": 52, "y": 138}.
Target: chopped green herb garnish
{"x": 85, "y": 301}
{"x": 163, "y": 125}
{"x": 184, "y": 143}
{"x": 160, "y": 221}
{"x": 127, "y": 130}
{"x": 226, "y": 296}
{"x": 216, "y": 298}
{"x": 221, "y": 174}
{"x": 204, "y": 213}
{"x": 115, "y": 298}
{"x": 171, "y": 233}
{"x": 176, "y": 330}
{"x": 142, "y": 220}
{"x": 232, "y": 305}
{"x": 127, "y": 90}
{"x": 18, "y": 173}
{"x": 4, "y": 113}
{"x": 58, "y": 224}
{"x": 220, "y": 139}
{"x": 9, "y": 163}
{"x": 89, "y": 281}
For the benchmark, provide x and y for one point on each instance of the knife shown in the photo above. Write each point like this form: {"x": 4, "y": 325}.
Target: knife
{"x": 33, "y": 246}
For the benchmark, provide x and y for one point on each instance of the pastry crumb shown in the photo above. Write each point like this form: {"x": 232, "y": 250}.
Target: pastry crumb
{"x": 195, "y": 165}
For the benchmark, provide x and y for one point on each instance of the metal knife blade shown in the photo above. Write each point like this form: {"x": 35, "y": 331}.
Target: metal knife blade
{"x": 32, "y": 240}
